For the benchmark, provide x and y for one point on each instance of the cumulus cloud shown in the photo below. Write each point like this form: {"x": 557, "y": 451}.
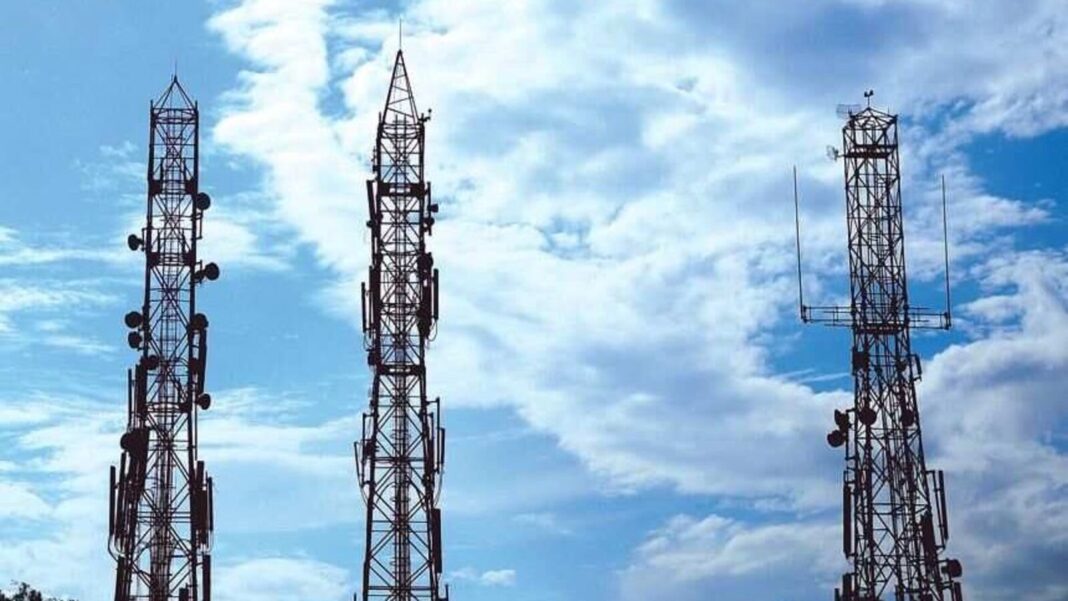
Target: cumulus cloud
{"x": 614, "y": 242}
{"x": 527, "y": 244}
{"x": 688, "y": 558}
{"x": 616, "y": 260}
{"x": 993, "y": 412}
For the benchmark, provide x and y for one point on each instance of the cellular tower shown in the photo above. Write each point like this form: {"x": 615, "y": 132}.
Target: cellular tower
{"x": 895, "y": 526}
{"x": 160, "y": 517}
{"x": 402, "y": 451}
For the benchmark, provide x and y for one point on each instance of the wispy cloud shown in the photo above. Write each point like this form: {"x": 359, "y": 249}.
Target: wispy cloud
{"x": 546, "y": 522}
{"x": 614, "y": 244}
{"x": 15, "y": 252}
{"x": 46, "y": 296}
{"x": 489, "y": 578}
{"x": 117, "y": 169}
{"x": 56, "y": 454}
{"x": 282, "y": 579}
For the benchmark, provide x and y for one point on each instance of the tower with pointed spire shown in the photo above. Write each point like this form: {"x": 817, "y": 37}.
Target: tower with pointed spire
{"x": 160, "y": 517}
{"x": 400, "y": 457}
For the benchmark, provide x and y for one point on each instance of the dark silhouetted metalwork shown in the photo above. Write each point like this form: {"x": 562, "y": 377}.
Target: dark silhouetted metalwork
{"x": 402, "y": 452}
{"x": 161, "y": 496}
{"x": 895, "y": 526}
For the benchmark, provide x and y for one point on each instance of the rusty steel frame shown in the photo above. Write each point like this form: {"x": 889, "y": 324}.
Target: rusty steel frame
{"x": 895, "y": 523}
{"x": 400, "y": 457}
{"x": 161, "y": 516}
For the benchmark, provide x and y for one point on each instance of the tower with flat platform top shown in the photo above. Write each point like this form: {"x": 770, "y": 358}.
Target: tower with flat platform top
{"x": 895, "y": 526}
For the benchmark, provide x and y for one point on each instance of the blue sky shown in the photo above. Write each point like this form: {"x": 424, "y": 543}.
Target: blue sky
{"x": 633, "y": 410}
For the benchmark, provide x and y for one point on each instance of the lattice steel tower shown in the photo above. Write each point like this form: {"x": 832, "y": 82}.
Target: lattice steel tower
{"x": 894, "y": 521}
{"x": 401, "y": 455}
{"x": 161, "y": 496}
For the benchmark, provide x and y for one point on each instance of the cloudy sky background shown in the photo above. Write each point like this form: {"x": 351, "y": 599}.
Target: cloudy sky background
{"x": 633, "y": 410}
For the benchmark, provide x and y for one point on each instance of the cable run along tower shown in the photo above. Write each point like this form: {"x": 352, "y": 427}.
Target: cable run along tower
{"x": 402, "y": 451}
{"x": 160, "y": 517}
{"x": 895, "y": 526}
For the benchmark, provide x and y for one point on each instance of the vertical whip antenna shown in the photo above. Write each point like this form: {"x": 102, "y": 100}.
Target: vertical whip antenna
{"x": 797, "y": 238}
{"x": 945, "y": 251}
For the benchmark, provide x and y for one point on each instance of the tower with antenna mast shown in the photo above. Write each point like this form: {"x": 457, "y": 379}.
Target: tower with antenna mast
{"x": 161, "y": 518}
{"x": 401, "y": 454}
{"x": 895, "y": 523}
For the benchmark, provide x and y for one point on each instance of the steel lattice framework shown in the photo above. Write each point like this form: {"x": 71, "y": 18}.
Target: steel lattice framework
{"x": 401, "y": 454}
{"x": 161, "y": 496}
{"x": 895, "y": 525}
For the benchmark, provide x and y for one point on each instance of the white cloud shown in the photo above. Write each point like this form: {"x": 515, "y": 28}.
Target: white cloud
{"x": 489, "y": 578}
{"x": 22, "y": 414}
{"x": 274, "y": 474}
{"x": 36, "y": 286}
{"x": 498, "y": 578}
{"x": 1002, "y": 61}
{"x": 312, "y": 178}
{"x": 615, "y": 239}
{"x": 546, "y": 522}
{"x": 498, "y": 266}
{"x": 15, "y": 252}
{"x": 282, "y": 579}
{"x": 18, "y": 501}
{"x": 56, "y": 333}
{"x": 241, "y": 234}
{"x": 688, "y": 558}
{"x": 994, "y": 414}
{"x": 118, "y": 169}
{"x": 39, "y": 296}
{"x": 616, "y": 259}
{"x": 60, "y": 447}
{"x": 992, "y": 408}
